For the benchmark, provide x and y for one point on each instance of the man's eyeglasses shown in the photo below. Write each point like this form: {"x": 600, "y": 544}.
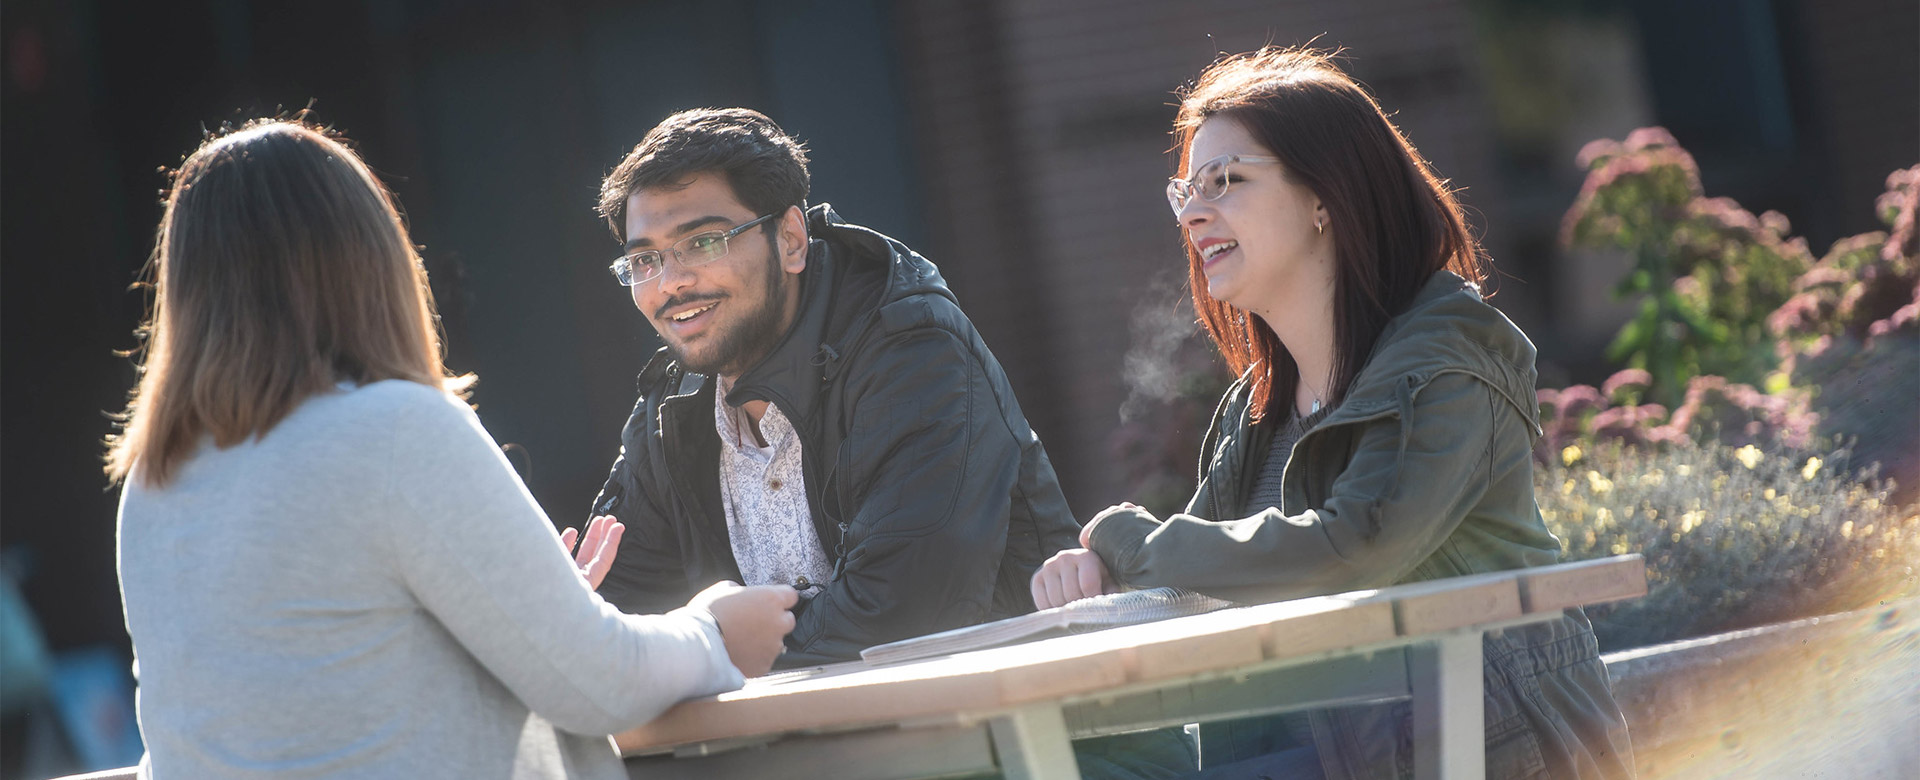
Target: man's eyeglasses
{"x": 698, "y": 249}
{"x": 1210, "y": 182}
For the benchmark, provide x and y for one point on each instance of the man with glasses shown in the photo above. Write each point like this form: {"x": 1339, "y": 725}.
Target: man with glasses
{"x": 822, "y": 415}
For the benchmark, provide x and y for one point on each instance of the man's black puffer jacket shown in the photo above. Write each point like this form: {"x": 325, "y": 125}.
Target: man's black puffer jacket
{"x": 929, "y": 491}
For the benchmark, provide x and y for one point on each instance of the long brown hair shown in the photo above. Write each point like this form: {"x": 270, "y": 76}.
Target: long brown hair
{"x": 281, "y": 267}
{"x": 1394, "y": 222}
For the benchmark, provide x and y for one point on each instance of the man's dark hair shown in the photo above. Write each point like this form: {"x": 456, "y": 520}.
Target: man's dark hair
{"x": 766, "y": 167}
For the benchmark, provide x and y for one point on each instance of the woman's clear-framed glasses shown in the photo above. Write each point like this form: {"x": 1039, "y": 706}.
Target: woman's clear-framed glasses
{"x": 698, "y": 249}
{"x": 1209, "y": 182}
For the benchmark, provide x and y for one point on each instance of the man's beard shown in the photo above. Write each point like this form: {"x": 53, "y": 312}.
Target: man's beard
{"x": 749, "y": 340}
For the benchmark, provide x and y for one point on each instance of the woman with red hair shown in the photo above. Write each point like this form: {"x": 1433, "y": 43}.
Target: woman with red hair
{"x": 1380, "y": 431}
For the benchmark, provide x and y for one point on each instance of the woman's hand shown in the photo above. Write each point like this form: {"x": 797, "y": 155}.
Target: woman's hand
{"x": 596, "y": 554}
{"x": 753, "y": 621}
{"x": 1070, "y": 575}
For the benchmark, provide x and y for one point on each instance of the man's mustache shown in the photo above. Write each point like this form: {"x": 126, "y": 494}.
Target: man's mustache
{"x": 661, "y": 313}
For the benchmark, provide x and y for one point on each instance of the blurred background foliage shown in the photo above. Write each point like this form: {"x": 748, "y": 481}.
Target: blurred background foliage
{"x": 1791, "y": 381}
{"x": 1734, "y": 537}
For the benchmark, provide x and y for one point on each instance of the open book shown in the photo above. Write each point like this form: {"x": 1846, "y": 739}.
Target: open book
{"x": 1089, "y": 614}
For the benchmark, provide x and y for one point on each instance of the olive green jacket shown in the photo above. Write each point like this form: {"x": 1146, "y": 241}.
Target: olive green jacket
{"x": 1422, "y": 471}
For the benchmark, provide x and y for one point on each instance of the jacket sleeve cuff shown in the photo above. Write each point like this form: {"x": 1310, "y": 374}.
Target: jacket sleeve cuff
{"x": 1117, "y": 539}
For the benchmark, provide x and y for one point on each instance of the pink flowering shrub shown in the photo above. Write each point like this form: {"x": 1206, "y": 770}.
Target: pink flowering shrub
{"x": 1865, "y": 287}
{"x": 1851, "y": 333}
{"x": 1708, "y": 271}
{"x": 1712, "y": 407}
{"x": 1714, "y": 454}
{"x": 1742, "y": 335}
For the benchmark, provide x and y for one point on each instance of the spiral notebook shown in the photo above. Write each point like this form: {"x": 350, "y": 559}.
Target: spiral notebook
{"x": 1089, "y": 614}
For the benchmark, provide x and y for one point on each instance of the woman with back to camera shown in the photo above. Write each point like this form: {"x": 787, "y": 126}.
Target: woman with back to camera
{"x": 1380, "y": 431}
{"x": 328, "y": 568}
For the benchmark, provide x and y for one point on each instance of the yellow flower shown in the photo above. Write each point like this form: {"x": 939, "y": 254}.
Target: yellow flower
{"x": 1769, "y": 494}
{"x": 1748, "y": 456}
{"x": 1599, "y": 483}
{"x": 1691, "y": 520}
{"x": 1684, "y": 470}
{"x": 1846, "y": 529}
{"x": 1571, "y": 454}
{"x": 1812, "y": 468}
{"x": 1778, "y": 382}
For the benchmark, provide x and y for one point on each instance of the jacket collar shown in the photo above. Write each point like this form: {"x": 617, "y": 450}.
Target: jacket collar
{"x": 788, "y": 376}
{"x": 851, "y": 272}
{"x": 1448, "y": 327}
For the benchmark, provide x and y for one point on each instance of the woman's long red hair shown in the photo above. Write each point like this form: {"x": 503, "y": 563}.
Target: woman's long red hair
{"x": 1394, "y": 222}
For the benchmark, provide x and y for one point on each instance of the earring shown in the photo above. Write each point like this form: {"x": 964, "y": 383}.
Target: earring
{"x": 1320, "y": 225}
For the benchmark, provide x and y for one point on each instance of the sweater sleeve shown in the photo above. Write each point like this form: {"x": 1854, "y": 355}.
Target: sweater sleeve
{"x": 480, "y": 555}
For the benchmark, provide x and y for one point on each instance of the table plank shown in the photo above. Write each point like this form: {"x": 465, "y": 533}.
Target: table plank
{"x": 1553, "y": 588}
{"x": 1335, "y": 682}
{"x": 1452, "y": 603}
{"x": 1319, "y": 628}
{"x": 884, "y": 754}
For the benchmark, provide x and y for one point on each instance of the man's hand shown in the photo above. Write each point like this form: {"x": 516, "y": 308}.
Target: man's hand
{"x": 752, "y": 621}
{"x": 1070, "y": 575}
{"x": 596, "y": 553}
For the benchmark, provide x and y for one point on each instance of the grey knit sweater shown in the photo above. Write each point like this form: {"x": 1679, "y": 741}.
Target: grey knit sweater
{"x": 369, "y": 591}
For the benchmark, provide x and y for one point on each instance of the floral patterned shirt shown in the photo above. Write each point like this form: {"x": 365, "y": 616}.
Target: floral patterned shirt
{"x": 765, "y": 496}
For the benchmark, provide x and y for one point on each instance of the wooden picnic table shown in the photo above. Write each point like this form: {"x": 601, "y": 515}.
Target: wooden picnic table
{"x": 1015, "y": 709}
